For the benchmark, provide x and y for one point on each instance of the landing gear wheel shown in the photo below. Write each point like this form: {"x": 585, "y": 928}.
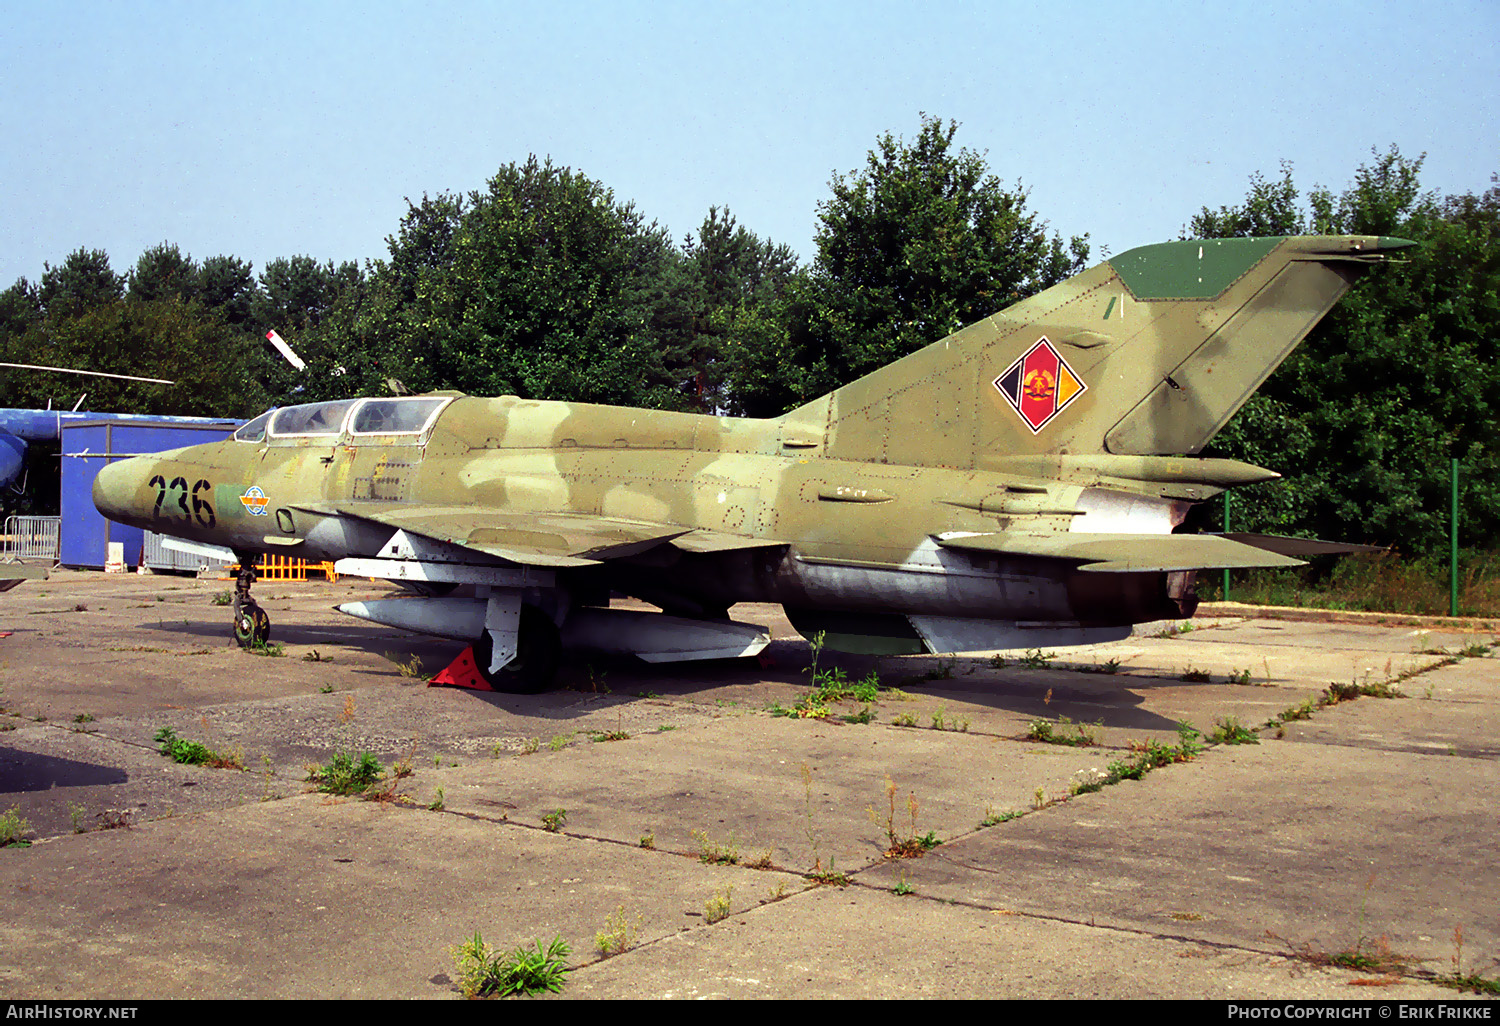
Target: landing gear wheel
{"x": 538, "y": 648}
{"x": 252, "y": 627}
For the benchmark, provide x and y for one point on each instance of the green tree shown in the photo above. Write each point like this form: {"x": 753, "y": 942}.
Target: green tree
{"x": 164, "y": 272}
{"x": 83, "y": 280}
{"x": 921, "y": 241}
{"x": 227, "y": 284}
{"x": 1271, "y": 208}
{"x": 541, "y": 285}
{"x": 1400, "y": 377}
{"x": 740, "y": 282}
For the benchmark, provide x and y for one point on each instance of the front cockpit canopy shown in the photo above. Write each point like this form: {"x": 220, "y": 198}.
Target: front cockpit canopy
{"x": 409, "y": 415}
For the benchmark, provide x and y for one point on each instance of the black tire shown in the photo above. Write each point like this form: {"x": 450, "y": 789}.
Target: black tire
{"x": 252, "y": 627}
{"x": 538, "y": 649}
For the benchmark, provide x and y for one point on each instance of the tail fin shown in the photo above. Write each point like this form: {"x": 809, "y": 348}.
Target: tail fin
{"x": 1148, "y": 353}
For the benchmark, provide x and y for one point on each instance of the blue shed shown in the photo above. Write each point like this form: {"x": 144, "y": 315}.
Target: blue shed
{"x": 86, "y": 448}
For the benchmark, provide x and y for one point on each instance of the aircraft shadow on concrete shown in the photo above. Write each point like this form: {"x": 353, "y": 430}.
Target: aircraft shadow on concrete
{"x": 1112, "y": 700}
{"x": 29, "y": 771}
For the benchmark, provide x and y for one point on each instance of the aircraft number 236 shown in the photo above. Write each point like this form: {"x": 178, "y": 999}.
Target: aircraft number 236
{"x": 201, "y": 510}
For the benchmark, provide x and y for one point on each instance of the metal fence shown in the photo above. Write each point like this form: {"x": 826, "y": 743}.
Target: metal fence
{"x": 31, "y": 538}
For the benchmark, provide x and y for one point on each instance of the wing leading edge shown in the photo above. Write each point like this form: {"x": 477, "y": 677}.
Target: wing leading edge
{"x": 553, "y": 540}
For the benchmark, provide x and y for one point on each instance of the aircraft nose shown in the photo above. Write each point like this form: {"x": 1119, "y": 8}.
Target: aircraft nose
{"x": 116, "y": 487}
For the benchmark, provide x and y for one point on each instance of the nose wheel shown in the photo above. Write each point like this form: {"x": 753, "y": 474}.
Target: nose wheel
{"x": 252, "y": 627}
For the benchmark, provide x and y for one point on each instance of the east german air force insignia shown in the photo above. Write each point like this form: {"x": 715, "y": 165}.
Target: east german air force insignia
{"x": 1040, "y": 385}
{"x": 254, "y": 501}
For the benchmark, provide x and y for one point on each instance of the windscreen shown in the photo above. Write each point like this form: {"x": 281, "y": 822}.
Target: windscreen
{"x": 312, "y": 419}
{"x": 255, "y": 431}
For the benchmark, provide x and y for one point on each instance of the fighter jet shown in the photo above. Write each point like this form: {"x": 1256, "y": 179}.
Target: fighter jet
{"x": 1016, "y": 484}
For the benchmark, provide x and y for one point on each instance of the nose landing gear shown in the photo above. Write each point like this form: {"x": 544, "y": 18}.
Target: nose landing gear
{"x": 252, "y": 627}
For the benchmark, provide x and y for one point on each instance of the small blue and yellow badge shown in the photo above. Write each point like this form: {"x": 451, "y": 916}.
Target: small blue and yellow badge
{"x": 255, "y": 501}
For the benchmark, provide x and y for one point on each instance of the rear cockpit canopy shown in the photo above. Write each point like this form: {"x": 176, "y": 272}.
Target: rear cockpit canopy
{"x": 409, "y": 415}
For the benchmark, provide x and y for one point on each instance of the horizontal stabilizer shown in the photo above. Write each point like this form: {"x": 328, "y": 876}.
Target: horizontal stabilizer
{"x": 1124, "y": 553}
{"x": 1301, "y": 548}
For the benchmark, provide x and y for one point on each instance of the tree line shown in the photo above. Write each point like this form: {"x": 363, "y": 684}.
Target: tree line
{"x": 544, "y": 284}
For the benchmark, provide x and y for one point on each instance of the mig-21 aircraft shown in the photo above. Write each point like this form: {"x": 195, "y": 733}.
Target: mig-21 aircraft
{"x": 1016, "y": 484}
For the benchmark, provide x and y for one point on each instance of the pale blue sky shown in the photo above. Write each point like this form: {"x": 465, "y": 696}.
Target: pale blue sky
{"x": 272, "y": 129}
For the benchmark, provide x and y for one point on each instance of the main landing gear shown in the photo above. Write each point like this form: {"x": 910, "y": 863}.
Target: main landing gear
{"x": 538, "y": 647}
{"x": 252, "y": 627}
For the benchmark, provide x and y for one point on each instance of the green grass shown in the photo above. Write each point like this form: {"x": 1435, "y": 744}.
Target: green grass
{"x": 1373, "y": 582}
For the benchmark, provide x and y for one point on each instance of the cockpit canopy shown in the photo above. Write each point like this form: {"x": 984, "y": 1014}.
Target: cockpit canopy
{"x": 411, "y": 415}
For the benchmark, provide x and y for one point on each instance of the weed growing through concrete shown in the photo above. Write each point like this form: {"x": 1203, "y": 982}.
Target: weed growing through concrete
{"x": 1082, "y": 735}
{"x": 437, "y": 802}
{"x": 346, "y": 774}
{"x": 905, "y": 719}
{"x": 222, "y": 598}
{"x": 1241, "y": 677}
{"x": 1229, "y": 731}
{"x": 1194, "y": 676}
{"x": 1470, "y": 982}
{"x": 1088, "y": 781}
{"x": 991, "y": 817}
{"x": 315, "y": 657}
{"x": 942, "y": 671}
{"x": 648, "y": 840}
{"x": 560, "y": 742}
{"x": 481, "y": 972}
{"x": 1036, "y": 659}
{"x": 903, "y": 886}
{"x": 1109, "y": 666}
{"x": 195, "y": 753}
{"x": 714, "y": 853}
{"x": 805, "y": 708}
{"x": 618, "y": 934}
{"x": 717, "y": 907}
{"x": 907, "y": 845}
{"x": 266, "y": 648}
{"x": 553, "y": 821}
{"x": 76, "y": 813}
{"x": 830, "y": 877}
{"x": 818, "y": 874}
{"x": 411, "y": 669}
{"x": 13, "y": 829}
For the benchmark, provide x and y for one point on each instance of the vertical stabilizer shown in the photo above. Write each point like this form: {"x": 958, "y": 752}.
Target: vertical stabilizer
{"x": 1148, "y": 353}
